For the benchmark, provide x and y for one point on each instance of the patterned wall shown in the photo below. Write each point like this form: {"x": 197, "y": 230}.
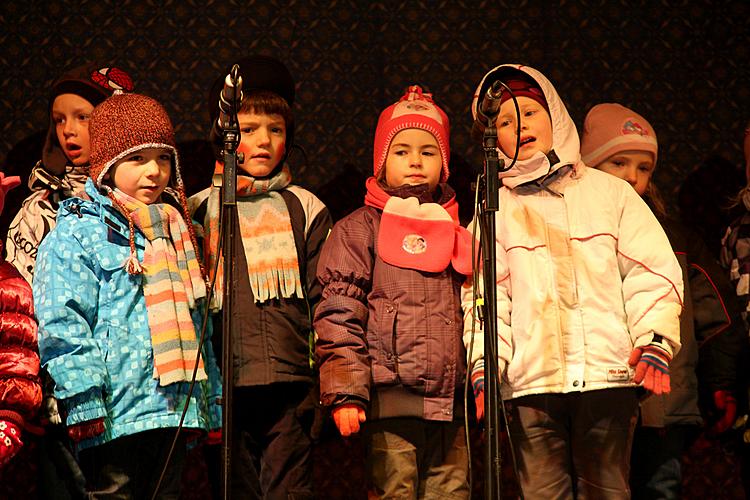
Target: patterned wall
{"x": 683, "y": 64}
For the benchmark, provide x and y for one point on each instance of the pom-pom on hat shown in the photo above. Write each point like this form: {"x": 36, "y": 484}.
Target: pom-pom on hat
{"x": 123, "y": 124}
{"x": 91, "y": 82}
{"x": 610, "y": 128}
{"x": 415, "y": 109}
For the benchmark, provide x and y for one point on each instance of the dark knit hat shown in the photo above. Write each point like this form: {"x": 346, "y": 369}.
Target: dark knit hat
{"x": 258, "y": 73}
{"x": 123, "y": 124}
{"x": 415, "y": 109}
{"x": 90, "y": 82}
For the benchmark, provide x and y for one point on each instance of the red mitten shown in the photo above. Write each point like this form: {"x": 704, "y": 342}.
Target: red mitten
{"x": 477, "y": 383}
{"x": 214, "y": 437}
{"x": 726, "y": 406}
{"x": 86, "y": 430}
{"x": 10, "y": 441}
{"x": 348, "y": 417}
{"x": 6, "y": 184}
{"x": 652, "y": 365}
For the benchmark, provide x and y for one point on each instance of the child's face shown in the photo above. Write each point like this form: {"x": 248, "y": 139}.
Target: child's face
{"x": 263, "y": 141}
{"x": 636, "y": 167}
{"x": 143, "y": 174}
{"x": 70, "y": 114}
{"x": 536, "y": 128}
{"x": 413, "y": 158}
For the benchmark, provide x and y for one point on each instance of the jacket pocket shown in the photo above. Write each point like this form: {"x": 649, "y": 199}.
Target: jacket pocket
{"x": 382, "y": 347}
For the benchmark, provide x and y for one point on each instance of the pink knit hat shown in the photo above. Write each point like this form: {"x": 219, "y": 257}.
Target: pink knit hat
{"x": 415, "y": 109}
{"x": 610, "y": 128}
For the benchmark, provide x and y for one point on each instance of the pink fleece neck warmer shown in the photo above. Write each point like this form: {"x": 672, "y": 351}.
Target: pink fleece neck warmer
{"x": 425, "y": 237}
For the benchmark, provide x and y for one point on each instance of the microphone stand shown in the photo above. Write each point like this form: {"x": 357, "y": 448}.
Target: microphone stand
{"x": 231, "y": 134}
{"x": 492, "y": 400}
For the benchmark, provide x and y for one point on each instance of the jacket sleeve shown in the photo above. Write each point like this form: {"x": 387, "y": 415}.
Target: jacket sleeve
{"x": 26, "y": 231}
{"x": 652, "y": 285}
{"x": 474, "y": 328}
{"x": 66, "y": 292}
{"x": 316, "y": 234}
{"x": 345, "y": 274}
{"x": 716, "y": 314}
{"x": 19, "y": 359}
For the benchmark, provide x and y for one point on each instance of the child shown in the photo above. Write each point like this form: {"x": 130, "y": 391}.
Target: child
{"x": 19, "y": 361}
{"x": 62, "y": 171}
{"x": 119, "y": 297}
{"x": 281, "y": 228}
{"x": 389, "y": 324}
{"x": 735, "y": 257}
{"x": 620, "y": 142}
{"x": 595, "y": 292}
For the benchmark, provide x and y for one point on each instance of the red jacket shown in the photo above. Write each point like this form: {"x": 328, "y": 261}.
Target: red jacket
{"x": 20, "y": 388}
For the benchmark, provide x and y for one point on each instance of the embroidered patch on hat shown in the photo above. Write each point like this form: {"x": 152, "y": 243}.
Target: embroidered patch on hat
{"x": 414, "y": 244}
{"x": 632, "y": 127}
{"x": 112, "y": 78}
{"x": 617, "y": 374}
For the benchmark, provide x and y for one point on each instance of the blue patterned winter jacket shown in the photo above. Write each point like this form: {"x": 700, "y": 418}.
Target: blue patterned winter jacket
{"x": 94, "y": 337}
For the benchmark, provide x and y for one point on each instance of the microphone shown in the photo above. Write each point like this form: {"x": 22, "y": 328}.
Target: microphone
{"x": 230, "y": 95}
{"x": 489, "y": 107}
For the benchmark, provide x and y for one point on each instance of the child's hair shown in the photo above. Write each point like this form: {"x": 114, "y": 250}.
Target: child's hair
{"x": 415, "y": 109}
{"x": 265, "y": 102}
{"x": 122, "y": 125}
{"x": 90, "y": 82}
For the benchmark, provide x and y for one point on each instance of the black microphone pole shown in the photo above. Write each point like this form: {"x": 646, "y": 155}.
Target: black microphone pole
{"x": 231, "y": 134}
{"x": 492, "y": 400}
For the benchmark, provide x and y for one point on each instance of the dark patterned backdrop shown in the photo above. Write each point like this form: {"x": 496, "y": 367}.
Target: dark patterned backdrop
{"x": 682, "y": 64}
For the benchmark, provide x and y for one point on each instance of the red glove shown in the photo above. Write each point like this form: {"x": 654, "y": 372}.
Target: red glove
{"x": 477, "y": 383}
{"x": 726, "y": 405}
{"x": 10, "y": 441}
{"x": 348, "y": 417}
{"x": 86, "y": 430}
{"x": 651, "y": 364}
{"x": 214, "y": 437}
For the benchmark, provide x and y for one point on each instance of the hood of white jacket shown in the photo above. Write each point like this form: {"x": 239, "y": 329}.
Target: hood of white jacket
{"x": 565, "y": 142}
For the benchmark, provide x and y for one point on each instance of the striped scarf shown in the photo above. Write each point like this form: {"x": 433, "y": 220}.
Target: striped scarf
{"x": 172, "y": 283}
{"x": 267, "y": 238}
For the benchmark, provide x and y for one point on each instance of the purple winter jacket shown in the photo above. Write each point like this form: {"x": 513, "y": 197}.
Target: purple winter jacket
{"x": 387, "y": 336}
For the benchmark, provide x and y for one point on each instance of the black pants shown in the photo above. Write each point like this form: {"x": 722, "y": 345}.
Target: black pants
{"x": 271, "y": 443}
{"x": 130, "y": 466}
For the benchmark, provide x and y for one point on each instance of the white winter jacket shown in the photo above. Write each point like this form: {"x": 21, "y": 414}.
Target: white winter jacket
{"x": 585, "y": 272}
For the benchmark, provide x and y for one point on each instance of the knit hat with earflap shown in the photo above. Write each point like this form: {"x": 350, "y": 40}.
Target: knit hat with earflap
{"x": 611, "y": 128}
{"x": 91, "y": 82}
{"x": 122, "y": 125}
{"x": 415, "y": 109}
